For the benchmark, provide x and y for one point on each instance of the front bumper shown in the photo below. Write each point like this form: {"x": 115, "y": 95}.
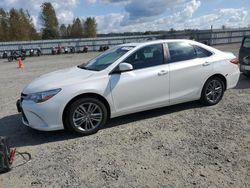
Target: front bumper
{"x": 40, "y": 118}
{"x": 20, "y": 110}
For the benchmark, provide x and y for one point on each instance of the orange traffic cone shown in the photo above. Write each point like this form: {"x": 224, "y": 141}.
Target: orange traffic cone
{"x": 20, "y": 63}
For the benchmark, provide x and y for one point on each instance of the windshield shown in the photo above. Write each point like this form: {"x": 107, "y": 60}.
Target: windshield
{"x": 104, "y": 60}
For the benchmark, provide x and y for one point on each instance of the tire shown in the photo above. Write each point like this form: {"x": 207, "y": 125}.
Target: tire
{"x": 213, "y": 91}
{"x": 83, "y": 119}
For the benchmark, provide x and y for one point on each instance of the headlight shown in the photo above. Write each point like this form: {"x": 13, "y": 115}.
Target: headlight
{"x": 42, "y": 96}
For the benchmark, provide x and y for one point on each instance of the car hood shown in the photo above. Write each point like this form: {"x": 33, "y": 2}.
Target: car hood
{"x": 58, "y": 79}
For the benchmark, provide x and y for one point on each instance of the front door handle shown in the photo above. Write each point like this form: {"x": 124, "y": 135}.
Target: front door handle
{"x": 162, "y": 73}
{"x": 206, "y": 64}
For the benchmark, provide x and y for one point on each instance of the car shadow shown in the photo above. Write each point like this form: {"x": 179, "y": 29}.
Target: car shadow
{"x": 21, "y": 135}
{"x": 244, "y": 82}
{"x": 152, "y": 113}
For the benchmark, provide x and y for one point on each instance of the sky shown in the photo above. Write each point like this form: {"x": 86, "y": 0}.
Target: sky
{"x": 144, "y": 15}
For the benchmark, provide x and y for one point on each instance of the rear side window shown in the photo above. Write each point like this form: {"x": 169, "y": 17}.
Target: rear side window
{"x": 201, "y": 52}
{"x": 246, "y": 43}
{"x": 181, "y": 51}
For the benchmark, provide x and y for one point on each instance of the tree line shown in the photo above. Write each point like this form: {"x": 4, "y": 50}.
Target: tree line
{"x": 17, "y": 25}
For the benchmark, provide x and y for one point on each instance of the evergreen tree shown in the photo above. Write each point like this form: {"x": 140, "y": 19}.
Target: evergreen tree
{"x": 14, "y": 25}
{"x": 49, "y": 21}
{"x": 28, "y": 31}
{"x": 17, "y": 25}
{"x": 90, "y": 27}
{"x": 4, "y": 25}
{"x": 21, "y": 26}
{"x": 63, "y": 31}
{"x": 76, "y": 29}
{"x": 68, "y": 31}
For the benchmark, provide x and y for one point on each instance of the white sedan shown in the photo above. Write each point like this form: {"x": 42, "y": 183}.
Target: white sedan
{"x": 126, "y": 79}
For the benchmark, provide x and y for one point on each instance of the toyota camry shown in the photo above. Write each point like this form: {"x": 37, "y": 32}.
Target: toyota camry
{"x": 126, "y": 79}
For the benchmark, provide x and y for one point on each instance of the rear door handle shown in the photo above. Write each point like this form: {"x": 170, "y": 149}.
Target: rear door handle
{"x": 162, "y": 73}
{"x": 206, "y": 64}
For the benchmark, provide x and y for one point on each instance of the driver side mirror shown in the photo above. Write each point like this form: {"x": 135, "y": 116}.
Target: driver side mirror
{"x": 125, "y": 67}
{"x": 122, "y": 67}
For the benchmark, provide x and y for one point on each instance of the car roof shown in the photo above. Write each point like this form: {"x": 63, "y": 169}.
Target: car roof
{"x": 157, "y": 42}
{"x": 138, "y": 45}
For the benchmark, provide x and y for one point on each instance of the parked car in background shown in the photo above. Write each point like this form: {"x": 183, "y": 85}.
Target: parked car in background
{"x": 244, "y": 56}
{"x": 126, "y": 79}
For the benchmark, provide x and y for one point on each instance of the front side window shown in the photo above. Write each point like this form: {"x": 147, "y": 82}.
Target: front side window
{"x": 181, "y": 51}
{"x": 246, "y": 43}
{"x": 148, "y": 56}
{"x": 104, "y": 60}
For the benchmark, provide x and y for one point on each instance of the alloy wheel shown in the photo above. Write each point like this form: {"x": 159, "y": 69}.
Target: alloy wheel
{"x": 214, "y": 91}
{"x": 87, "y": 116}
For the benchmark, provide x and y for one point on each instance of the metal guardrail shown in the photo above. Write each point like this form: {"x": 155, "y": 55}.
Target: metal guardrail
{"x": 211, "y": 37}
{"x": 92, "y": 43}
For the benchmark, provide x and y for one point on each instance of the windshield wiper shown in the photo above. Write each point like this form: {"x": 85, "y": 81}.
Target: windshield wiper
{"x": 82, "y": 67}
{"x": 86, "y": 68}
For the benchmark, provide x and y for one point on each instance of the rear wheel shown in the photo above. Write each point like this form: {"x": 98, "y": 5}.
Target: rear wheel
{"x": 86, "y": 116}
{"x": 213, "y": 91}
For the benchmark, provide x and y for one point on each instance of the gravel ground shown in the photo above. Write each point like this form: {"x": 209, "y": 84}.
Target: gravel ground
{"x": 186, "y": 145}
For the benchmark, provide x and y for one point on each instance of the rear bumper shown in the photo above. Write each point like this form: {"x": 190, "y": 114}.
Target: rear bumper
{"x": 245, "y": 69}
{"x": 233, "y": 78}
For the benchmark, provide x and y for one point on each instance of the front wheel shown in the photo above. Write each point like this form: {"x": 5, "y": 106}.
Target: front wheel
{"x": 213, "y": 91}
{"x": 86, "y": 116}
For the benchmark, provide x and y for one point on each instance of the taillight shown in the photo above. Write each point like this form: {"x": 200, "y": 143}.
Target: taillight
{"x": 235, "y": 61}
